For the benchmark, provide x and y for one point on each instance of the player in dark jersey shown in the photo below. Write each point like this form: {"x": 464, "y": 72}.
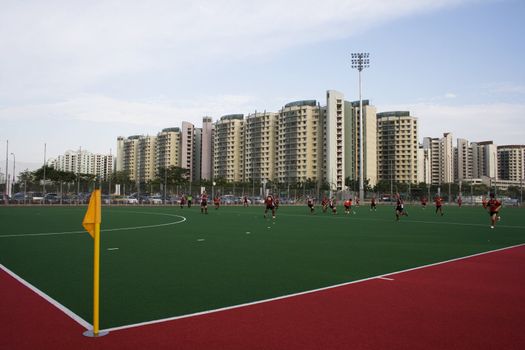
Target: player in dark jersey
{"x": 276, "y": 202}
{"x": 182, "y": 201}
{"x": 400, "y": 208}
{"x": 373, "y": 204}
{"x": 460, "y": 202}
{"x": 245, "y": 201}
{"x": 204, "y": 203}
{"x": 270, "y": 205}
{"x": 310, "y": 203}
{"x": 332, "y": 203}
{"x": 493, "y": 206}
{"x": 439, "y": 204}
{"x": 217, "y": 202}
{"x": 324, "y": 204}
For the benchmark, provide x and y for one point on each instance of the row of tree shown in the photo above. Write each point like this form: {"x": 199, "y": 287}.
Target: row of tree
{"x": 175, "y": 179}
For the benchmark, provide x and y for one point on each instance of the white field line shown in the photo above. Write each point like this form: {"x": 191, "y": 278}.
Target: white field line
{"x": 407, "y": 220}
{"x": 305, "y": 292}
{"x": 52, "y": 301}
{"x": 103, "y": 230}
{"x": 46, "y": 297}
{"x": 385, "y": 278}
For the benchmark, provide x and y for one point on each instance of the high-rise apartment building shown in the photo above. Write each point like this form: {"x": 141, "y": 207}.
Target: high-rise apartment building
{"x": 186, "y": 147}
{"x": 130, "y": 150}
{"x": 424, "y": 173}
{"x": 369, "y": 141}
{"x": 511, "y": 163}
{"x": 299, "y": 143}
{"x": 228, "y": 148}
{"x": 441, "y": 154}
{"x": 206, "y": 150}
{"x": 484, "y": 160}
{"x": 85, "y": 162}
{"x": 398, "y": 147}
{"x": 260, "y": 138}
{"x": 335, "y": 121}
{"x": 168, "y": 148}
{"x": 147, "y": 158}
{"x": 463, "y": 161}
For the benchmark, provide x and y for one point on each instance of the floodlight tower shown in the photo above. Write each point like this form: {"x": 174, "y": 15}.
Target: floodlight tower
{"x": 360, "y": 61}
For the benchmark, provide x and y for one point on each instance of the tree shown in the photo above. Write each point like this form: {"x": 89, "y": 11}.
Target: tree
{"x": 27, "y": 178}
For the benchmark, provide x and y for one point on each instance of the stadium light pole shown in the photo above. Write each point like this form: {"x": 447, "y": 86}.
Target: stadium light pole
{"x": 6, "y": 170}
{"x": 360, "y": 61}
{"x": 14, "y": 164}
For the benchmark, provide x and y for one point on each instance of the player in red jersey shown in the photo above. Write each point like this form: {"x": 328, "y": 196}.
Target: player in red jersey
{"x": 310, "y": 203}
{"x": 333, "y": 205}
{"x": 324, "y": 204}
{"x": 400, "y": 208}
{"x": 348, "y": 205}
{"x": 245, "y": 201}
{"x": 484, "y": 202}
{"x": 460, "y": 201}
{"x": 217, "y": 202}
{"x": 182, "y": 201}
{"x": 204, "y": 203}
{"x": 276, "y": 202}
{"x": 424, "y": 202}
{"x": 373, "y": 204}
{"x": 494, "y": 206}
{"x": 439, "y": 204}
{"x": 270, "y": 205}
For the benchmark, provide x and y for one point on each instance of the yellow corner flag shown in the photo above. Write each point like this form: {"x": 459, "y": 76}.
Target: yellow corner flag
{"x": 91, "y": 223}
{"x": 93, "y": 215}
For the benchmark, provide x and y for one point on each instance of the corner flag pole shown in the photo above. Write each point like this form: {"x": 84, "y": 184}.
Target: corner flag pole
{"x": 91, "y": 223}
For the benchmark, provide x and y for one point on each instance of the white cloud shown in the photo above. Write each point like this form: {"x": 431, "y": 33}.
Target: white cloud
{"x": 51, "y": 49}
{"x": 159, "y": 113}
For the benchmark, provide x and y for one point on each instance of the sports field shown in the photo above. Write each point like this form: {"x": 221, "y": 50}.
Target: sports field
{"x": 162, "y": 262}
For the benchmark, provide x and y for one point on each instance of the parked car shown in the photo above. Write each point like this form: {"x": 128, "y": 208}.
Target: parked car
{"x": 173, "y": 200}
{"x": 19, "y": 198}
{"x": 257, "y": 200}
{"x": 36, "y": 197}
{"x": 51, "y": 198}
{"x": 228, "y": 199}
{"x": 153, "y": 200}
{"x": 130, "y": 200}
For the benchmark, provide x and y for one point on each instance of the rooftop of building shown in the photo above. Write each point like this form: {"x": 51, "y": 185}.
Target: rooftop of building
{"x": 393, "y": 114}
{"x": 355, "y": 104}
{"x": 174, "y": 129}
{"x": 233, "y": 117}
{"x": 311, "y": 103}
{"x": 511, "y": 146}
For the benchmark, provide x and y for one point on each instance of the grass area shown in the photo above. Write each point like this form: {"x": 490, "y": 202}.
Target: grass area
{"x": 230, "y": 256}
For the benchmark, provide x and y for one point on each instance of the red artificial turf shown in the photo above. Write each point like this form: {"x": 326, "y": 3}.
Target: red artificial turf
{"x": 474, "y": 303}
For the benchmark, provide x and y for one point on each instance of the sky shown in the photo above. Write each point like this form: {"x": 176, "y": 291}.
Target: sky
{"x": 79, "y": 74}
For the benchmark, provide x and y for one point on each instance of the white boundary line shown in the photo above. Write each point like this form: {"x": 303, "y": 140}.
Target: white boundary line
{"x": 52, "y": 301}
{"x": 439, "y": 222}
{"x": 305, "y": 292}
{"x": 103, "y": 230}
{"x": 385, "y": 278}
{"x": 46, "y": 297}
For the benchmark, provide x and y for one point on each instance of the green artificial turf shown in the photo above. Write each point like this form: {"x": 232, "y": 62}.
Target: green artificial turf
{"x": 230, "y": 256}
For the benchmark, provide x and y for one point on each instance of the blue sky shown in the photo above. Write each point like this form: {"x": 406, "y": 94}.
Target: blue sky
{"x": 79, "y": 74}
